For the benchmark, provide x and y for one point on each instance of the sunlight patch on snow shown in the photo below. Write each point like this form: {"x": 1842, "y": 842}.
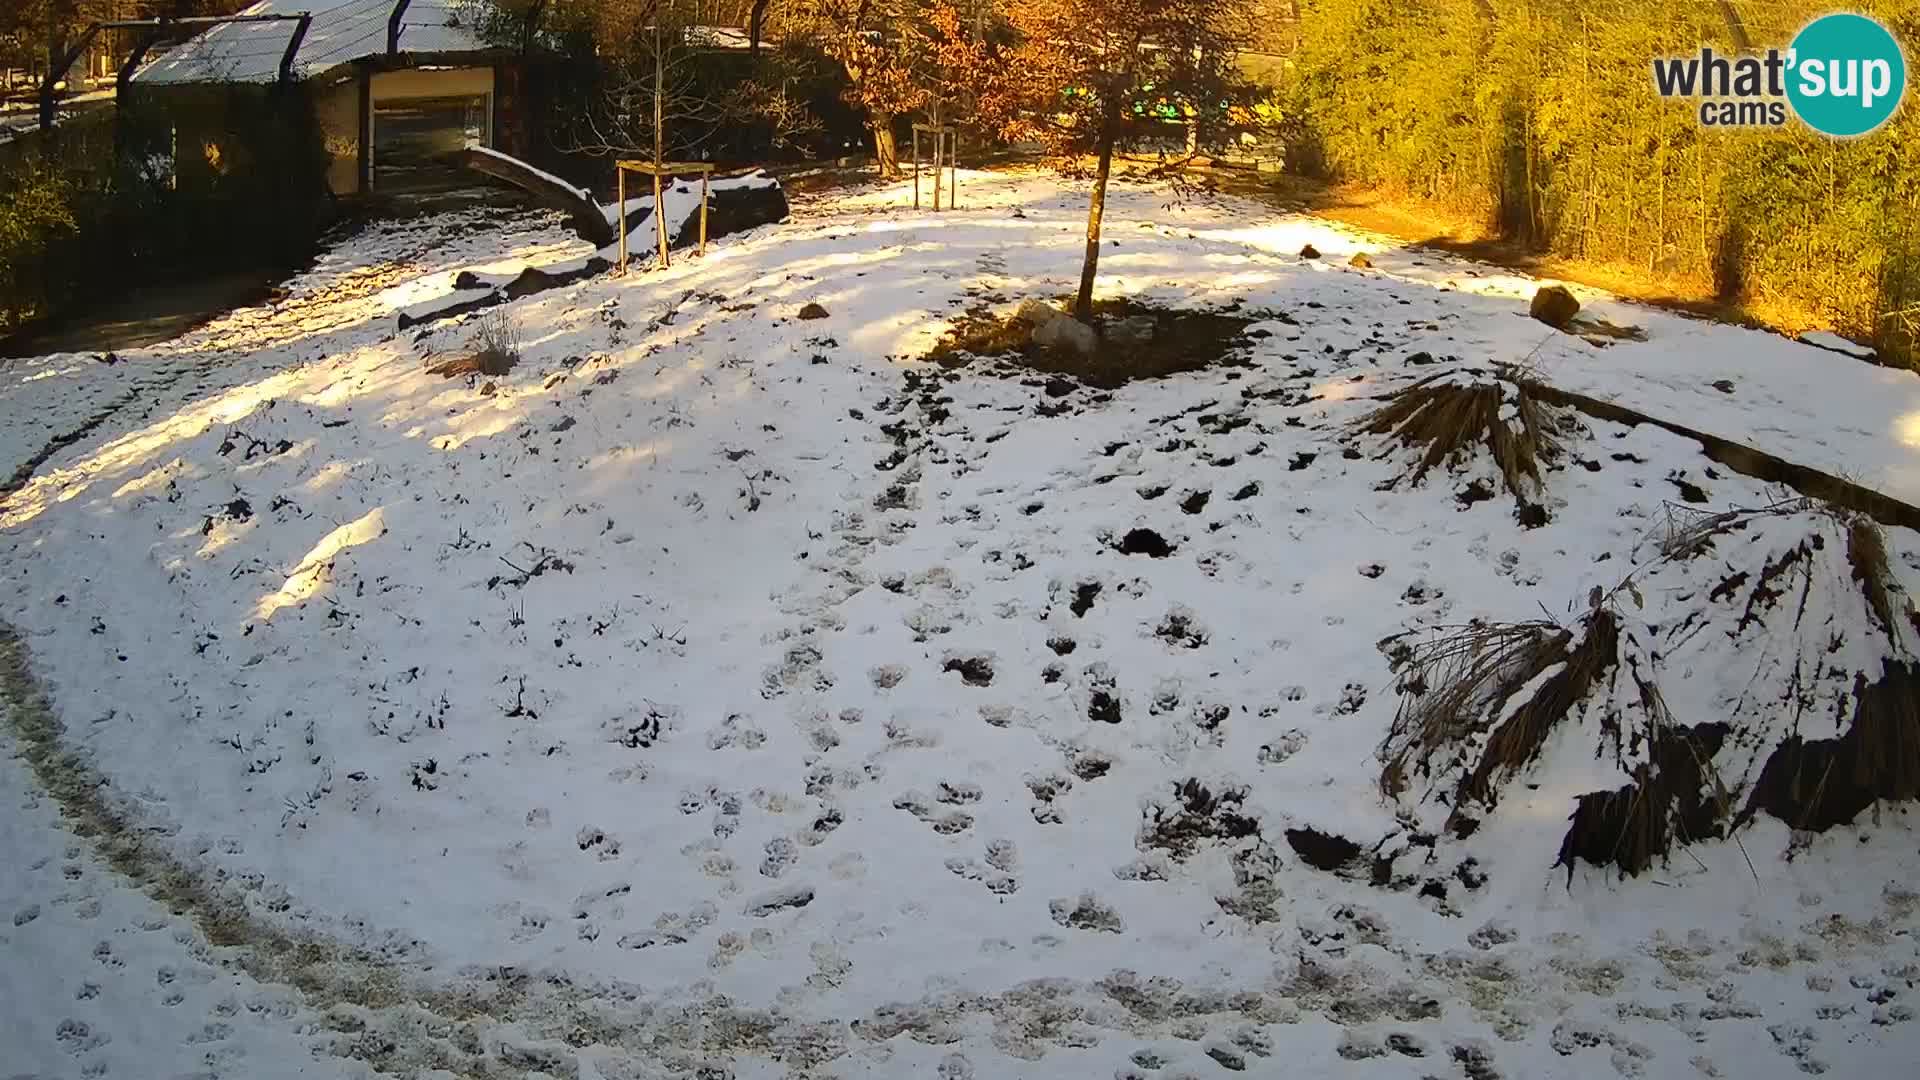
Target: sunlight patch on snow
{"x": 128, "y": 451}
{"x": 50, "y": 373}
{"x": 1344, "y": 389}
{"x": 1907, "y": 429}
{"x": 1288, "y": 237}
{"x": 362, "y": 372}
{"x": 315, "y": 570}
{"x": 156, "y": 477}
{"x": 612, "y": 470}
{"x": 907, "y": 333}
{"x": 330, "y": 474}
{"x": 225, "y": 537}
{"x": 471, "y": 428}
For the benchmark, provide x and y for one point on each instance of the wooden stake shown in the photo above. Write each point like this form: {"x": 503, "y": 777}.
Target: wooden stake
{"x": 622, "y": 174}
{"x": 703, "y": 213}
{"x": 916, "y": 166}
{"x": 660, "y": 220}
{"x": 938, "y": 138}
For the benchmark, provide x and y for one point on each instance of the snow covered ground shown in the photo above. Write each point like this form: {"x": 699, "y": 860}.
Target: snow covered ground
{"x": 722, "y": 693}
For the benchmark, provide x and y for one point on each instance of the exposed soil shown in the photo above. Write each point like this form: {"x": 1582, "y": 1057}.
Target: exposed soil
{"x": 143, "y": 316}
{"x": 1323, "y": 851}
{"x": 1182, "y": 341}
{"x": 1144, "y": 542}
{"x": 974, "y": 670}
{"x": 1198, "y": 814}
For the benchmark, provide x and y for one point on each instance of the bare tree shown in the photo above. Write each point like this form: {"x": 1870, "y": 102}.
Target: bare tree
{"x": 1089, "y": 75}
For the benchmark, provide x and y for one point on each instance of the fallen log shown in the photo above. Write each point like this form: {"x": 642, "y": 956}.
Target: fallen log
{"x": 583, "y": 213}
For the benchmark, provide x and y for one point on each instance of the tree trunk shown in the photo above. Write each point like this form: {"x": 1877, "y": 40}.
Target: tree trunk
{"x": 884, "y": 150}
{"x": 1083, "y": 303}
{"x": 659, "y": 107}
{"x": 756, "y": 26}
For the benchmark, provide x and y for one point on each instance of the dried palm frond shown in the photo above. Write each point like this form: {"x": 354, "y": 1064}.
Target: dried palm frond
{"x": 1682, "y": 531}
{"x": 1455, "y": 683}
{"x": 1452, "y": 412}
{"x": 1867, "y": 555}
{"x": 1519, "y": 737}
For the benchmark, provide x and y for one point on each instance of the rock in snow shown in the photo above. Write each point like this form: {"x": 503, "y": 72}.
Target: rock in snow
{"x": 1066, "y": 333}
{"x": 1554, "y": 305}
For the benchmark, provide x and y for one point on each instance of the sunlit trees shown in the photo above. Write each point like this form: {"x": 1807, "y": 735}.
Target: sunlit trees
{"x": 897, "y": 55}
{"x": 1087, "y": 76}
{"x": 1538, "y": 119}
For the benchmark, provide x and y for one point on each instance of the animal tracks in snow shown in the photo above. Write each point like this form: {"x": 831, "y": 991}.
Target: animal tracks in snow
{"x": 1031, "y": 683}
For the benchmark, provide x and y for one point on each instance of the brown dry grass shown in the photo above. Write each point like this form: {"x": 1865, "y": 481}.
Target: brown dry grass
{"x": 1454, "y": 682}
{"x": 1819, "y": 783}
{"x": 1519, "y": 738}
{"x": 1460, "y": 683}
{"x": 495, "y": 346}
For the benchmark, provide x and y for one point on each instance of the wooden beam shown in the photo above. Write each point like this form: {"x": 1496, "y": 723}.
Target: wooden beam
{"x": 393, "y": 26}
{"x": 197, "y": 20}
{"x": 293, "y": 46}
{"x": 58, "y": 71}
{"x": 363, "y": 87}
{"x": 660, "y": 220}
{"x": 139, "y": 53}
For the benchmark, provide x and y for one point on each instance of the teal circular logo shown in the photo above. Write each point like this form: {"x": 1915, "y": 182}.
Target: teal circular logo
{"x": 1846, "y": 75}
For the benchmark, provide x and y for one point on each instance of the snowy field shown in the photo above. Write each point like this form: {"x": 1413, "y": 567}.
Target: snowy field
{"x": 727, "y": 694}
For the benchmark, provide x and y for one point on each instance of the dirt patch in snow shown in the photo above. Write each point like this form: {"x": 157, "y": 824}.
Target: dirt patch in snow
{"x": 1182, "y": 341}
{"x": 1323, "y": 851}
{"x": 1143, "y": 542}
{"x": 1196, "y": 814}
{"x": 974, "y": 670}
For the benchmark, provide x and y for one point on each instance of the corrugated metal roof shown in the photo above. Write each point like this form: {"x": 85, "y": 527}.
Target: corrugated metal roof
{"x": 342, "y": 30}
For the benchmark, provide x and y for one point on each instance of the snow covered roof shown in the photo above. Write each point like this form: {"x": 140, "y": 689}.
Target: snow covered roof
{"x": 729, "y": 38}
{"x": 342, "y": 30}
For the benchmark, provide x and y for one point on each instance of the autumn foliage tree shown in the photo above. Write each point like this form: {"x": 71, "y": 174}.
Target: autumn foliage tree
{"x": 1085, "y": 77}
{"x": 898, "y": 55}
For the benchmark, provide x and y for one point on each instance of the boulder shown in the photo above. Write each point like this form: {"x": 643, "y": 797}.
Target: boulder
{"x": 1037, "y": 311}
{"x": 1309, "y": 252}
{"x": 1360, "y": 261}
{"x": 1066, "y": 334}
{"x": 1555, "y": 306}
{"x": 735, "y": 209}
{"x": 531, "y": 280}
{"x": 813, "y": 311}
{"x": 732, "y": 206}
{"x": 535, "y": 279}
